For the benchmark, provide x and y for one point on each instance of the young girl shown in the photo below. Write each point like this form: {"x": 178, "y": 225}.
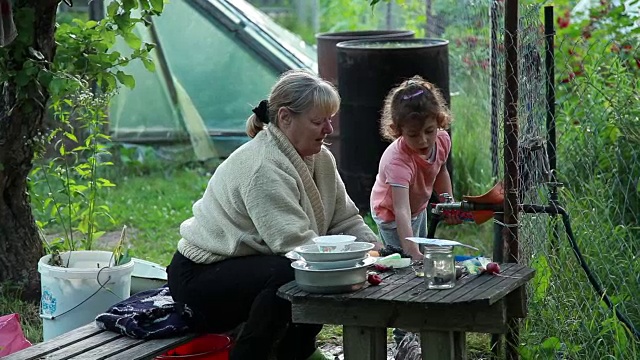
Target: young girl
{"x": 414, "y": 118}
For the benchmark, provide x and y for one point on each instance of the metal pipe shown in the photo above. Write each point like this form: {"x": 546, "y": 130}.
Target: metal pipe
{"x": 549, "y": 32}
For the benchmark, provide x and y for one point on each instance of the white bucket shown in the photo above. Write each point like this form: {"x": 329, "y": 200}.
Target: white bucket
{"x": 73, "y": 296}
{"x": 147, "y": 275}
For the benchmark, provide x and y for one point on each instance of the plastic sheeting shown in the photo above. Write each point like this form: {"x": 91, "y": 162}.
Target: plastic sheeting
{"x": 214, "y": 60}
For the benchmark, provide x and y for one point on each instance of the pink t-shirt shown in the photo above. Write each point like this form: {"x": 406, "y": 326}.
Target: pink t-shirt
{"x": 402, "y": 166}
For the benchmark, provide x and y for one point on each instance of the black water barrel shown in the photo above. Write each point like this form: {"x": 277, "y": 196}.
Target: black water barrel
{"x": 367, "y": 70}
{"x": 328, "y": 64}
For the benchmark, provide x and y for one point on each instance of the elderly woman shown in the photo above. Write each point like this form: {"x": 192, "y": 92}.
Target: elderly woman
{"x": 276, "y": 192}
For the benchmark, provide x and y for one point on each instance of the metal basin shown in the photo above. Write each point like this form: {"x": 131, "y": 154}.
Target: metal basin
{"x": 331, "y": 281}
{"x": 354, "y": 251}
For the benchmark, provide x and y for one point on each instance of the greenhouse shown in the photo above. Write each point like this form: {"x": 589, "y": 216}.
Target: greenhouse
{"x": 204, "y": 86}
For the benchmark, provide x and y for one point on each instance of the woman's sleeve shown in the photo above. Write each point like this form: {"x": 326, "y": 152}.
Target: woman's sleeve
{"x": 273, "y": 204}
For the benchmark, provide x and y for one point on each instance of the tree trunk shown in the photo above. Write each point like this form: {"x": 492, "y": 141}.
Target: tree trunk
{"x": 22, "y": 109}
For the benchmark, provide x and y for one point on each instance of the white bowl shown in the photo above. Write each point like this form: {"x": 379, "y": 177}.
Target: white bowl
{"x": 357, "y": 250}
{"x": 334, "y": 243}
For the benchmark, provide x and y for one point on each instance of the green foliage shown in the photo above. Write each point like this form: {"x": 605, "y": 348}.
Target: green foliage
{"x": 81, "y": 80}
{"x": 71, "y": 178}
{"x": 10, "y": 302}
{"x": 347, "y": 15}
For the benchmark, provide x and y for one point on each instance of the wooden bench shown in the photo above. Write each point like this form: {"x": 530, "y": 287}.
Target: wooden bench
{"x": 91, "y": 343}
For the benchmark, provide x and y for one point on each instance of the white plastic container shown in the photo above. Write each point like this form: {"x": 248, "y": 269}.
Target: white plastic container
{"x": 147, "y": 275}
{"x": 73, "y": 296}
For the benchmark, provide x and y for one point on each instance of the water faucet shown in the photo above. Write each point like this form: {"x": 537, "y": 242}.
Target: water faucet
{"x": 447, "y": 204}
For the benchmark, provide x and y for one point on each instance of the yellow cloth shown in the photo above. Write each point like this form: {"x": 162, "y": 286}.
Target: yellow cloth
{"x": 266, "y": 199}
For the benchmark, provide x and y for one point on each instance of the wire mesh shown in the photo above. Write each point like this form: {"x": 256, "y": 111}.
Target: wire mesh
{"x": 597, "y": 119}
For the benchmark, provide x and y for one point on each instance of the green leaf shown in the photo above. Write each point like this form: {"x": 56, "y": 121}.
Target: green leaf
{"x": 22, "y": 78}
{"x": 144, "y": 4}
{"x": 552, "y": 343}
{"x": 71, "y": 136}
{"x": 126, "y": 80}
{"x": 57, "y": 85}
{"x": 45, "y": 77}
{"x": 148, "y": 64}
{"x": 157, "y": 5}
{"x": 129, "y": 4}
{"x": 132, "y": 40}
{"x": 112, "y": 9}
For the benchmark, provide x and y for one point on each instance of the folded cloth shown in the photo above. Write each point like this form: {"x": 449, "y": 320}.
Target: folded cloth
{"x": 150, "y": 314}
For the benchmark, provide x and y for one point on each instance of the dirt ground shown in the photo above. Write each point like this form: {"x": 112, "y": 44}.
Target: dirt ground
{"x": 337, "y": 351}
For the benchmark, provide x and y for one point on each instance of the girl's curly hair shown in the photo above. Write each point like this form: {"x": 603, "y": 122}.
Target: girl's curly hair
{"x": 413, "y": 100}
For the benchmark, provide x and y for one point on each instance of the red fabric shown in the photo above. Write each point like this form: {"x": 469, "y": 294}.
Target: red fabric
{"x": 11, "y": 337}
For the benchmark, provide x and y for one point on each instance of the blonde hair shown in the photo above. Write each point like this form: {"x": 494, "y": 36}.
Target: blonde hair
{"x": 299, "y": 91}
{"x": 414, "y": 100}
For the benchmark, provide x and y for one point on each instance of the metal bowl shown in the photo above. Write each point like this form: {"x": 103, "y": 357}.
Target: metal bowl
{"x": 329, "y": 265}
{"x": 331, "y": 281}
{"x": 354, "y": 251}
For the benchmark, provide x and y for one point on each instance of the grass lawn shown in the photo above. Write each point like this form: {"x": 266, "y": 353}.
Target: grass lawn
{"x": 153, "y": 205}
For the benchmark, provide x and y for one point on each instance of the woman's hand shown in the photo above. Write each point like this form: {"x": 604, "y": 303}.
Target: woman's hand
{"x": 377, "y": 245}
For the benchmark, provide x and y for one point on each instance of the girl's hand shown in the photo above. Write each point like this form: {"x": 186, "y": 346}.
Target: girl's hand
{"x": 417, "y": 256}
{"x": 452, "y": 218}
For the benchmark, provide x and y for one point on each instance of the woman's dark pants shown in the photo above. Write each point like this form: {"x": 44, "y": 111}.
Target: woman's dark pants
{"x": 243, "y": 290}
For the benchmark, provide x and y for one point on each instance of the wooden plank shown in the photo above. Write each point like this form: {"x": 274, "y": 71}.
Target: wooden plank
{"x": 293, "y": 293}
{"x": 517, "y": 303}
{"x": 496, "y": 288}
{"x": 463, "y": 288}
{"x": 407, "y": 286}
{"x": 386, "y": 286}
{"x": 458, "y": 317}
{"x": 59, "y": 342}
{"x": 367, "y": 290}
{"x": 479, "y": 293}
{"x": 487, "y": 282}
{"x": 524, "y": 275}
{"x": 285, "y": 290}
{"x": 96, "y": 341}
{"x": 150, "y": 349}
{"x": 465, "y": 285}
{"x": 364, "y": 343}
{"x": 459, "y": 345}
{"x": 437, "y": 345}
{"x": 113, "y": 348}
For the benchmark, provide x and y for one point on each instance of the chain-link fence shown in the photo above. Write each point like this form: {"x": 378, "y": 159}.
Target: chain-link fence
{"x": 578, "y": 148}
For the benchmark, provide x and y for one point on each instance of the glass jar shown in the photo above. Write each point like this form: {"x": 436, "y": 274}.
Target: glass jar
{"x": 439, "y": 267}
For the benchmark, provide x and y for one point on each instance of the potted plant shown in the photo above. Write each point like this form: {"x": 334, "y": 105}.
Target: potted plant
{"x": 77, "y": 281}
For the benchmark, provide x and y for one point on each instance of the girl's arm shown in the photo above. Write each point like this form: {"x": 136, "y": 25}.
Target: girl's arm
{"x": 402, "y": 211}
{"x": 442, "y": 184}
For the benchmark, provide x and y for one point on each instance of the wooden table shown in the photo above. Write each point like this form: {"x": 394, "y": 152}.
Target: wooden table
{"x": 478, "y": 303}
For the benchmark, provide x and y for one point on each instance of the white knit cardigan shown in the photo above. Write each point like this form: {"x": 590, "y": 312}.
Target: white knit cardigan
{"x": 266, "y": 199}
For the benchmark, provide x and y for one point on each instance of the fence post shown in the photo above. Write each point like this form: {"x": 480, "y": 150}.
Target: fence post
{"x": 511, "y": 132}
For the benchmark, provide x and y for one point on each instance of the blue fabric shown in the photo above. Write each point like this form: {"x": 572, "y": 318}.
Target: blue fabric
{"x": 150, "y": 314}
{"x": 389, "y": 233}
